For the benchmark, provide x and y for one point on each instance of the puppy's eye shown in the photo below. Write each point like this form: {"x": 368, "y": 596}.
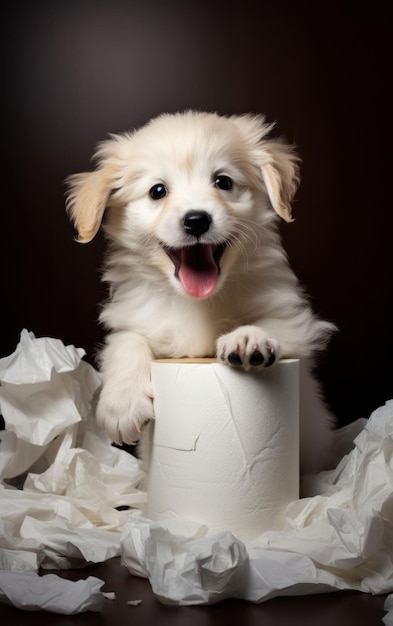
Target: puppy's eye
{"x": 223, "y": 182}
{"x": 158, "y": 191}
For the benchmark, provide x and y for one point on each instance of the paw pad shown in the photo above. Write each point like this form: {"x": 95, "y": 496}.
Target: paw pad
{"x": 256, "y": 358}
{"x": 234, "y": 359}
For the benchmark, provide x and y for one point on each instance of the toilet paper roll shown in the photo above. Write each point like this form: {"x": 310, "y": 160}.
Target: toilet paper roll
{"x": 225, "y": 445}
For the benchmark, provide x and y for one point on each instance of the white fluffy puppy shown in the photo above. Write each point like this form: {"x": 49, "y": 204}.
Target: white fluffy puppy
{"x": 195, "y": 263}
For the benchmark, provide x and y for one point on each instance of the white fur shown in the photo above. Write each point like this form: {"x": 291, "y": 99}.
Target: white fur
{"x": 257, "y": 303}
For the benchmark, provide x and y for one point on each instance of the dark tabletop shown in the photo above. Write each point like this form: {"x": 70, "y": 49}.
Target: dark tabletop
{"x": 341, "y": 608}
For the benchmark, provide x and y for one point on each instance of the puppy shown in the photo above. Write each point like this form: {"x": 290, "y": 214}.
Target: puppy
{"x": 195, "y": 263}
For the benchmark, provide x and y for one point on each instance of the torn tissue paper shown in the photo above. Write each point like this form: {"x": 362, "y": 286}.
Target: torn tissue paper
{"x": 61, "y": 481}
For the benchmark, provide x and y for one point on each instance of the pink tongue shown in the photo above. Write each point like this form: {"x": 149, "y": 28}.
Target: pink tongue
{"x": 198, "y": 271}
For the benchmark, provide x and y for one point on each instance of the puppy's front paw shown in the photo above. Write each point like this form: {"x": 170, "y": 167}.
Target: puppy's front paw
{"x": 123, "y": 413}
{"x": 248, "y": 347}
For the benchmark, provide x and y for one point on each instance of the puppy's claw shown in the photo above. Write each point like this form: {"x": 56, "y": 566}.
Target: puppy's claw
{"x": 140, "y": 428}
{"x": 272, "y": 356}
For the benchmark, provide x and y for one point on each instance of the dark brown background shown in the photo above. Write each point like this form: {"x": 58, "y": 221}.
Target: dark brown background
{"x": 76, "y": 71}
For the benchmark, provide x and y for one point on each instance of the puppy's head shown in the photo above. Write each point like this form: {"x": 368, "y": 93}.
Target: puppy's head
{"x": 187, "y": 194}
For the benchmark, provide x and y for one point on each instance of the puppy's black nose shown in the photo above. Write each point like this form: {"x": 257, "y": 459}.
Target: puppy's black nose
{"x": 196, "y": 223}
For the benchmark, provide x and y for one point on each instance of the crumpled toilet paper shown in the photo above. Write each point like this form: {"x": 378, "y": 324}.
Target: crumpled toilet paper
{"x": 388, "y": 606}
{"x": 339, "y": 539}
{"x": 31, "y": 592}
{"x": 61, "y": 481}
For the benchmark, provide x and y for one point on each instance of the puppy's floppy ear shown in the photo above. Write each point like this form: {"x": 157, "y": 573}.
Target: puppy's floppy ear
{"x": 88, "y": 192}
{"x": 278, "y": 162}
{"x": 86, "y": 200}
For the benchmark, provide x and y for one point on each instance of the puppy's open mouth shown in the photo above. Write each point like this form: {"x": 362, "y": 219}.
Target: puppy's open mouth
{"x": 197, "y": 267}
